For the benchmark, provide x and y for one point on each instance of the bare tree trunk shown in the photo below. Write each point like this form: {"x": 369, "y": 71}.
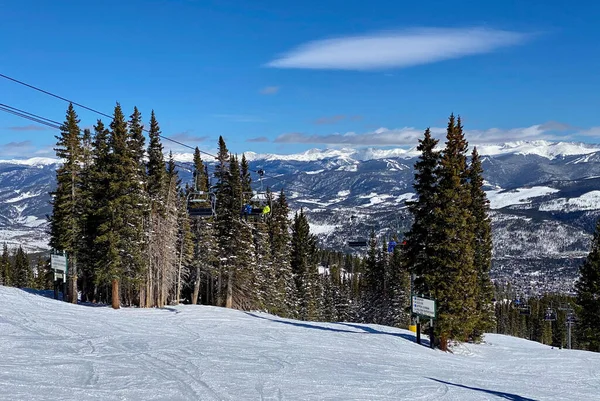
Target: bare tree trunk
{"x": 116, "y": 302}
{"x": 196, "y": 287}
{"x": 229, "y": 302}
{"x": 142, "y": 291}
{"x": 219, "y": 287}
{"x": 73, "y": 289}
{"x": 178, "y": 293}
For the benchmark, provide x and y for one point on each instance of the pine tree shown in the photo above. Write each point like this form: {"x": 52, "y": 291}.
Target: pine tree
{"x": 157, "y": 188}
{"x": 420, "y": 240}
{"x": 85, "y": 250}
{"x": 304, "y": 267}
{"x": 138, "y": 203}
{"x": 99, "y": 191}
{"x": 398, "y": 313}
{"x": 587, "y": 289}
{"x": 66, "y": 220}
{"x": 242, "y": 268}
{"x": 453, "y": 281}
{"x": 285, "y": 297}
{"x": 115, "y": 208}
{"x": 482, "y": 247}
{"x": 22, "y": 274}
{"x": 44, "y": 276}
{"x": 224, "y": 221}
{"x": 6, "y": 272}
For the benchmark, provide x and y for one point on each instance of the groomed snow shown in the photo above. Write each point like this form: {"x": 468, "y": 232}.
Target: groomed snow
{"x": 52, "y": 350}
{"x": 499, "y": 199}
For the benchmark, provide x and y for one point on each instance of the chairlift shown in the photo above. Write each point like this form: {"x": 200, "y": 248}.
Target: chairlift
{"x": 256, "y": 203}
{"x": 525, "y": 310}
{"x": 550, "y": 315}
{"x": 357, "y": 242}
{"x": 201, "y": 204}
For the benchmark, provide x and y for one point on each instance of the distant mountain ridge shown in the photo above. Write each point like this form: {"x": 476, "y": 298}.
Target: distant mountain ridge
{"x": 544, "y": 196}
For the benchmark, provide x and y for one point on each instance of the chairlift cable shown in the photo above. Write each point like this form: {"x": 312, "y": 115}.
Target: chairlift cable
{"x": 94, "y": 110}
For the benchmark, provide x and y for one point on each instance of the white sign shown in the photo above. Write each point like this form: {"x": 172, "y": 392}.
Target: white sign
{"x": 58, "y": 262}
{"x": 423, "y": 306}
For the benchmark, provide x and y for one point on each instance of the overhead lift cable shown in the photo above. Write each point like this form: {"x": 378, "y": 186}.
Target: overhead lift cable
{"x": 92, "y": 110}
{"x": 109, "y": 116}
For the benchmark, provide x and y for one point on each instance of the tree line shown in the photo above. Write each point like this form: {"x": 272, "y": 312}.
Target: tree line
{"x": 123, "y": 216}
{"x": 120, "y": 212}
{"x": 18, "y": 269}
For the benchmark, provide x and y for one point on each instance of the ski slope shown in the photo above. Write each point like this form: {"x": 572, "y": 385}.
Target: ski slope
{"x": 51, "y": 350}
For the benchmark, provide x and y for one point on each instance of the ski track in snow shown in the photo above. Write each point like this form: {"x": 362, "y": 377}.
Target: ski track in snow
{"x": 53, "y": 350}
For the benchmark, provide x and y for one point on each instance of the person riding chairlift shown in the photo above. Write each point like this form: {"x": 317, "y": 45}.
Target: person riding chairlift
{"x": 391, "y": 245}
{"x": 247, "y": 210}
{"x": 266, "y": 210}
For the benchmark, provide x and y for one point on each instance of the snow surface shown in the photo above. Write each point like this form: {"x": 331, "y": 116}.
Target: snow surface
{"x": 587, "y": 201}
{"x": 53, "y": 350}
{"x": 33, "y": 161}
{"x": 499, "y": 199}
{"x": 541, "y": 148}
{"x": 322, "y": 228}
{"x": 21, "y": 196}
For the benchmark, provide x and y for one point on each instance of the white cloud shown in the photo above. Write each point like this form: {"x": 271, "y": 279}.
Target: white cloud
{"x": 410, "y": 136}
{"x": 396, "y": 49}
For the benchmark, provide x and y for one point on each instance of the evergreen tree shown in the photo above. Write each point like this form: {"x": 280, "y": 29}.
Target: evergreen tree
{"x": 22, "y": 274}
{"x": 113, "y": 232}
{"x": 482, "y": 247}
{"x": 285, "y": 296}
{"x": 6, "y": 272}
{"x": 66, "y": 219}
{"x": 157, "y": 189}
{"x": 398, "y": 313}
{"x": 85, "y": 251}
{"x": 587, "y": 290}
{"x": 94, "y": 283}
{"x": 242, "y": 268}
{"x": 453, "y": 281}
{"x": 304, "y": 267}
{"x": 224, "y": 221}
{"x": 44, "y": 276}
{"x": 138, "y": 205}
{"x": 245, "y": 177}
{"x": 420, "y": 240}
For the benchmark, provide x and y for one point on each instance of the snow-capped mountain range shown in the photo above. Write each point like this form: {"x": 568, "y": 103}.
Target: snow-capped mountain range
{"x": 545, "y": 200}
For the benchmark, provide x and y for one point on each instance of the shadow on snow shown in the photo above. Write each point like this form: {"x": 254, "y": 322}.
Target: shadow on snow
{"x": 506, "y": 396}
{"x": 365, "y": 329}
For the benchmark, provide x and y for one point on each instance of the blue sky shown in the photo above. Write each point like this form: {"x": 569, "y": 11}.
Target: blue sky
{"x": 283, "y": 76}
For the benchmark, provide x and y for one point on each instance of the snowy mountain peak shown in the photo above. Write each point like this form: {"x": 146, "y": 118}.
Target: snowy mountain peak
{"x": 34, "y": 161}
{"x": 549, "y": 150}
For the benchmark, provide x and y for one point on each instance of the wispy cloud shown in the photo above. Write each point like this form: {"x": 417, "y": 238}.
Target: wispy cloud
{"x": 269, "y": 90}
{"x": 410, "y": 136}
{"x": 19, "y": 149}
{"x": 380, "y": 137}
{"x": 396, "y": 49}
{"x": 186, "y": 136}
{"x": 258, "y": 139}
{"x": 30, "y": 127}
{"x": 591, "y": 132}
